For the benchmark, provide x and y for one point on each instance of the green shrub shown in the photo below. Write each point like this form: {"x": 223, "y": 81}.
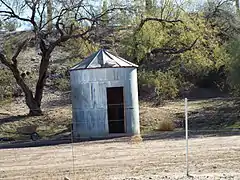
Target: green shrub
{"x": 164, "y": 83}
{"x": 62, "y": 84}
{"x": 6, "y": 81}
{"x": 234, "y": 66}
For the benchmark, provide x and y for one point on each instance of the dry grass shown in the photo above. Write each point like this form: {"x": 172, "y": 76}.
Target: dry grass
{"x": 166, "y": 125}
{"x": 153, "y": 118}
{"x": 57, "y": 119}
{"x": 207, "y": 113}
{"x": 136, "y": 139}
{"x": 51, "y": 123}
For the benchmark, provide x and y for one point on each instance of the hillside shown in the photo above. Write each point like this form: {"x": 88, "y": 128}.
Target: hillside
{"x": 182, "y": 49}
{"x": 210, "y": 114}
{"x": 216, "y": 115}
{"x": 173, "y": 63}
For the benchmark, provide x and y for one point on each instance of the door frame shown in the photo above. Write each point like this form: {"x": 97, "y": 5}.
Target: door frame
{"x": 124, "y": 112}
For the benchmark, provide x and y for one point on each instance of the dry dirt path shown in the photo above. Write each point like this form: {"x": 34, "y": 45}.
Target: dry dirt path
{"x": 210, "y": 158}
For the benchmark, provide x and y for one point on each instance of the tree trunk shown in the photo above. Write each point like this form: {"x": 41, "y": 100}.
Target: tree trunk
{"x": 42, "y": 76}
{"x": 33, "y": 105}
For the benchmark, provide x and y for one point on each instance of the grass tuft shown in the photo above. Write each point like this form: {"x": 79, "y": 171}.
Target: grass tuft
{"x": 166, "y": 125}
{"x": 136, "y": 139}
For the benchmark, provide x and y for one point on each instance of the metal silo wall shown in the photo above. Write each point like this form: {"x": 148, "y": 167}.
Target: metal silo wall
{"x": 88, "y": 103}
{"x": 131, "y": 103}
{"x": 89, "y": 100}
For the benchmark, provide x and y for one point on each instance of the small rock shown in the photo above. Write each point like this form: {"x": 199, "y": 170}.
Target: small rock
{"x": 67, "y": 178}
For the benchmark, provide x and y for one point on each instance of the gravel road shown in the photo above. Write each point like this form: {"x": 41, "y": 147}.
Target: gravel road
{"x": 209, "y": 158}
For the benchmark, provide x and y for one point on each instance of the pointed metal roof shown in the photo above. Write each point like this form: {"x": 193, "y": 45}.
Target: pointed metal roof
{"x": 102, "y": 59}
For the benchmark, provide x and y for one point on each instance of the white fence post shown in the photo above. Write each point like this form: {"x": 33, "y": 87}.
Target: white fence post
{"x": 72, "y": 144}
{"x": 186, "y": 130}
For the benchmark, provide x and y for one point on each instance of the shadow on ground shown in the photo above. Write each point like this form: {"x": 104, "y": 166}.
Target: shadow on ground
{"x": 57, "y": 103}
{"x": 65, "y": 100}
{"x": 176, "y": 135}
{"x": 214, "y": 114}
{"x": 8, "y": 119}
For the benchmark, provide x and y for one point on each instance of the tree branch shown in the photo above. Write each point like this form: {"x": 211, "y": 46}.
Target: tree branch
{"x": 66, "y": 37}
{"x": 19, "y": 49}
{"x": 4, "y": 60}
{"x": 173, "y": 50}
{"x": 17, "y": 75}
{"x": 12, "y": 14}
{"x": 33, "y": 8}
{"x": 40, "y": 13}
{"x": 59, "y": 17}
{"x": 143, "y": 21}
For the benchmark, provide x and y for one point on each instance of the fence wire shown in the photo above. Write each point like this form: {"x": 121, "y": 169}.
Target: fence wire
{"x": 214, "y": 144}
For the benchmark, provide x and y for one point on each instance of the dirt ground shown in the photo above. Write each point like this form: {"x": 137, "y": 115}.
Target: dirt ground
{"x": 209, "y": 158}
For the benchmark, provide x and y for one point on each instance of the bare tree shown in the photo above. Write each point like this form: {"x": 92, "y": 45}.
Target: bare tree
{"x": 66, "y": 20}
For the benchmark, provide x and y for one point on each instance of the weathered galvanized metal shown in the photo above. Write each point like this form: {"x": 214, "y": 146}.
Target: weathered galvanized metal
{"x": 89, "y": 82}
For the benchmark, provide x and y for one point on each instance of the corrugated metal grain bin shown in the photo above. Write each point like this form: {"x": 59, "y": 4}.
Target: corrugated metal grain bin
{"x": 104, "y": 96}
